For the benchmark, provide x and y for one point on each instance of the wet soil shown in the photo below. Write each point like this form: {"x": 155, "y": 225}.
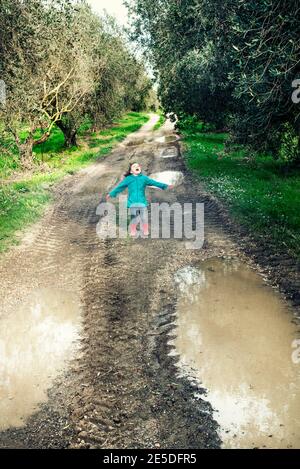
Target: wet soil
{"x": 122, "y": 388}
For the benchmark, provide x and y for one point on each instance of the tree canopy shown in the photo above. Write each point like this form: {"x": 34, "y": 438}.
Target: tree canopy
{"x": 61, "y": 63}
{"x": 230, "y": 63}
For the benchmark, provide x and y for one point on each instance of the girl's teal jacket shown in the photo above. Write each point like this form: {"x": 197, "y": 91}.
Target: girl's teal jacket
{"x": 136, "y": 189}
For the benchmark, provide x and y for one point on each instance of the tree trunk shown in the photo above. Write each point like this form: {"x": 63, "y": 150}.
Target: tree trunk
{"x": 26, "y": 155}
{"x": 69, "y": 132}
{"x": 70, "y": 139}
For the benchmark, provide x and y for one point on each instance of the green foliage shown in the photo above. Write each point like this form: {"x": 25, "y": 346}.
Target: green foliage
{"x": 19, "y": 206}
{"x": 289, "y": 147}
{"x": 192, "y": 124}
{"x": 182, "y": 41}
{"x": 229, "y": 63}
{"x": 160, "y": 121}
{"x": 266, "y": 60}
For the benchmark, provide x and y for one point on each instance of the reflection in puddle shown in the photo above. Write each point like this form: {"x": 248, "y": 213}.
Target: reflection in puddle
{"x": 188, "y": 276}
{"x": 133, "y": 141}
{"x": 168, "y": 177}
{"x": 170, "y": 152}
{"x": 34, "y": 343}
{"x": 235, "y": 337}
{"x": 166, "y": 139}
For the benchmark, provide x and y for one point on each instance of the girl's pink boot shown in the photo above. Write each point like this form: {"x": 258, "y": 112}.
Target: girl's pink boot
{"x": 145, "y": 229}
{"x": 133, "y": 231}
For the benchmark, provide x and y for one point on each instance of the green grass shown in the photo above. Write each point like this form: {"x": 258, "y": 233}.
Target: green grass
{"x": 258, "y": 191}
{"x": 23, "y": 202}
{"x": 160, "y": 121}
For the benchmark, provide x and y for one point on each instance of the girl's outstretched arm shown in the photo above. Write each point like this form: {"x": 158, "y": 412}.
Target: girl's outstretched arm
{"x": 152, "y": 182}
{"x": 119, "y": 188}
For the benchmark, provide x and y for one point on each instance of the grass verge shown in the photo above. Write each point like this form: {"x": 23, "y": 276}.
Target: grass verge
{"x": 259, "y": 191}
{"x": 160, "y": 121}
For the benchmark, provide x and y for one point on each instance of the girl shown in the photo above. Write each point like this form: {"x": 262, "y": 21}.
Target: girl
{"x": 136, "y": 183}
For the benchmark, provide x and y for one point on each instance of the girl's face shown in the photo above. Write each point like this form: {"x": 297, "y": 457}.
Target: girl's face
{"x": 136, "y": 169}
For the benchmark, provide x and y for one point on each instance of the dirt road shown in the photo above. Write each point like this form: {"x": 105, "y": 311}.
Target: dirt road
{"x": 105, "y": 361}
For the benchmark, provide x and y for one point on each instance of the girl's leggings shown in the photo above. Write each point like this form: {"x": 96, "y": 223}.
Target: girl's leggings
{"x": 138, "y": 215}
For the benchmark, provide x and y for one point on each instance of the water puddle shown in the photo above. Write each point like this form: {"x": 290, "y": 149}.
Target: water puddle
{"x": 170, "y": 152}
{"x": 134, "y": 141}
{"x": 236, "y": 337}
{"x": 35, "y": 342}
{"x": 166, "y": 139}
{"x": 168, "y": 177}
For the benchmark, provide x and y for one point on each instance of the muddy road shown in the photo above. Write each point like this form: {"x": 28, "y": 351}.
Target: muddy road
{"x": 93, "y": 331}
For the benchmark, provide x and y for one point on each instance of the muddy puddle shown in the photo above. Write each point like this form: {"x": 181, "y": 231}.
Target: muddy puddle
{"x": 237, "y": 338}
{"x": 35, "y": 342}
{"x": 169, "y": 152}
{"x": 166, "y": 139}
{"x": 168, "y": 177}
